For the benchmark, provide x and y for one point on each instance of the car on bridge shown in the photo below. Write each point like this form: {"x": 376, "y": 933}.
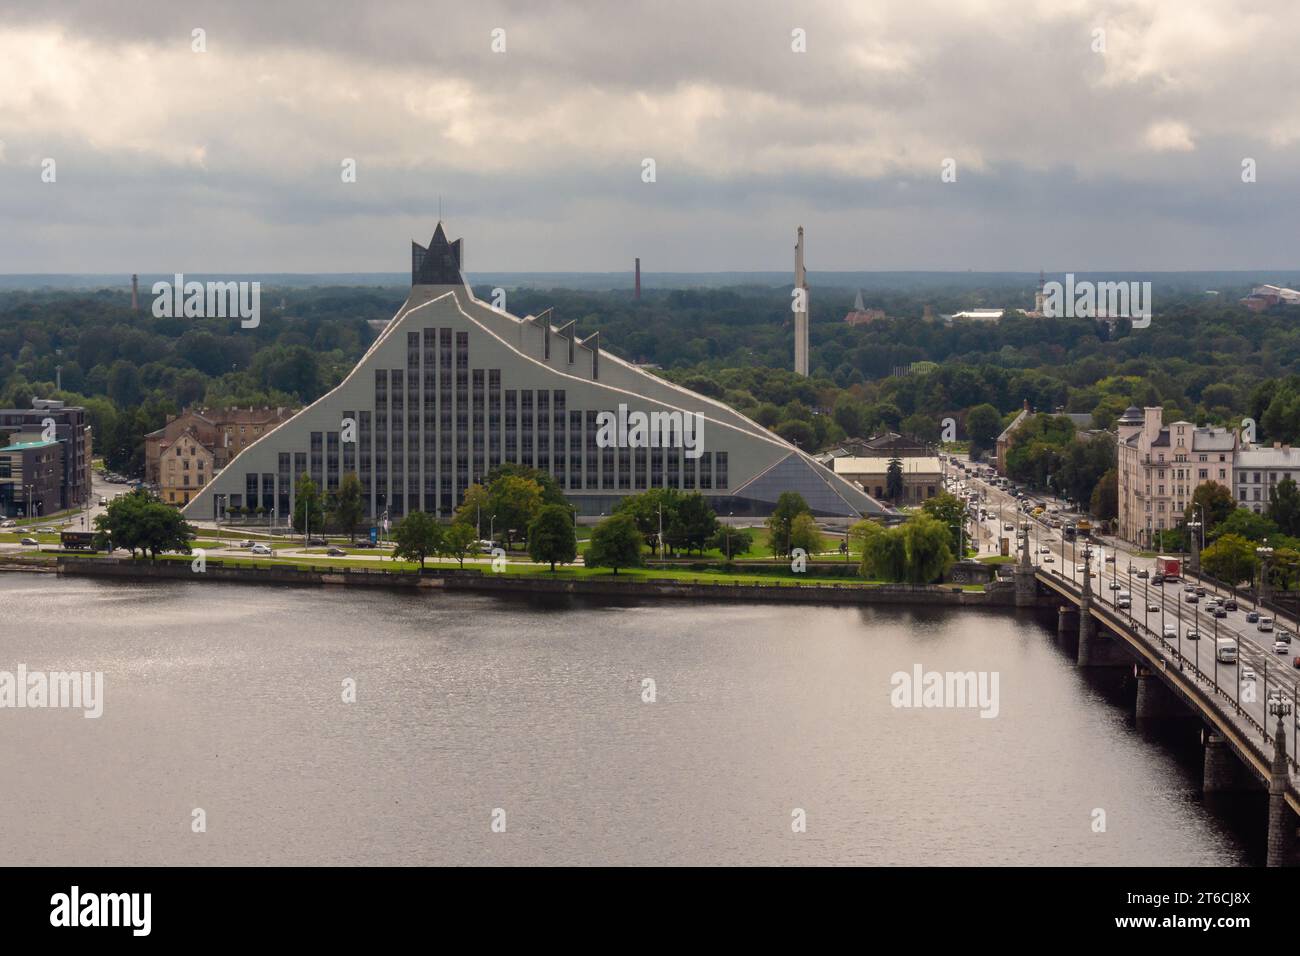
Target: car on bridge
{"x": 1265, "y": 624}
{"x": 1252, "y": 617}
{"x": 1219, "y": 611}
{"x": 1144, "y": 574}
{"x": 1191, "y": 598}
{"x": 1171, "y": 631}
{"x": 1193, "y": 634}
{"x": 1247, "y": 674}
{"x": 1281, "y": 647}
{"x": 1230, "y": 604}
{"x": 1153, "y": 608}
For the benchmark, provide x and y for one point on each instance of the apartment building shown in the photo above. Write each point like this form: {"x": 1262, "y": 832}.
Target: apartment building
{"x": 51, "y": 420}
{"x": 1160, "y": 467}
{"x": 1258, "y": 470}
{"x": 185, "y": 466}
{"x": 223, "y": 433}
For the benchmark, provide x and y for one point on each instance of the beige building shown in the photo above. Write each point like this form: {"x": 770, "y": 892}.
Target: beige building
{"x": 223, "y": 432}
{"x": 922, "y": 477}
{"x": 186, "y": 465}
{"x": 1160, "y": 467}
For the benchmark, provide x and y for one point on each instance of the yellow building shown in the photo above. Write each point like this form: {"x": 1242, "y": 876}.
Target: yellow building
{"x": 185, "y": 466}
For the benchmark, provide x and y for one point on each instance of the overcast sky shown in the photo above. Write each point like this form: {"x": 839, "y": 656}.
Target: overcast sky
{"x": 1066, "y": 158}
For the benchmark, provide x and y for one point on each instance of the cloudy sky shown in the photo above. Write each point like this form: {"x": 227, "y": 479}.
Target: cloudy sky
{"x": 1085, "y": 135}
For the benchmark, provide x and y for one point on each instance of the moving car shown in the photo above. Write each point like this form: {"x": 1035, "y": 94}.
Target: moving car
{"x": 336, "y": 552}
{"x": 1230, "y": 604}
{"x": 246, "y": 543}
{"x": 1252, "y": 617}
{"x": 1144, "y": 574}
{"x": 1225, "y": 650}
{"x": 1170, "y": 630}
{"x": 1220, "y": 612}
{"x": 317, "y": 542}
{"x": 1124, "y": 599}
{"x": 29, "y": 541}
{"x": 1265, "y": 624}
{"x": 1049, "y": 560}
{"x": 1193, "y": 634}
{"x": 1281, "y": 647}
{"x": 1191, "y": 598}
{"x": 1114, "y": 585}
{"x": 102, "y": 501}
{"x": 1152, "y": 608}
{"x": 260, "y": 549}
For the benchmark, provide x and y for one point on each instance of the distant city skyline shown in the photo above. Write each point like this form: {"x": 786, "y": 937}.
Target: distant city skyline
{"x": 233, "y": 159}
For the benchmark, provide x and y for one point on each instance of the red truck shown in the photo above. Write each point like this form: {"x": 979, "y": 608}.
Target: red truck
{"x": 1169, "y": 567}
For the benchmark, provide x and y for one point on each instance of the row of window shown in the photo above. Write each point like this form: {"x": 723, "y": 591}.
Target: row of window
{"x": 420, "y": 449}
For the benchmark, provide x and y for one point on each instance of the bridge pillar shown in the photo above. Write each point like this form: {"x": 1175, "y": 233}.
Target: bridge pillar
{"x": 1281, "y": 821}
{"x": 1155, "y": 701}
{"x": 1065, "y": 623}
{"x": 1223, "y": 773}
{"x": 1026, "y": 582}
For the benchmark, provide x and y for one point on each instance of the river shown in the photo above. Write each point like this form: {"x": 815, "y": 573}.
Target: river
{"x": 501, "y": 731}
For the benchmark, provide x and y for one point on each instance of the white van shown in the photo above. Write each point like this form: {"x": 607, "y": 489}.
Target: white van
{"x": 1226, "y": 651}
{"x": 1265, "y": 624}
{"x": 1124, "y": 599}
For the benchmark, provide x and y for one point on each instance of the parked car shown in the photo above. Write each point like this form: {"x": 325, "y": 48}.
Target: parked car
{"x": 7, "y": 523}
{"x": 260, "y": 549}
{"x": 1252, "y": 617}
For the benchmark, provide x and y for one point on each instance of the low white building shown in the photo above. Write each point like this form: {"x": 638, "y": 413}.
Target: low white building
{"x": 1260, "y": 469}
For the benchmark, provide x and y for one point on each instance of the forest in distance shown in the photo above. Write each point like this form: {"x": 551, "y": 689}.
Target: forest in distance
{"x": 1204, "y": 358}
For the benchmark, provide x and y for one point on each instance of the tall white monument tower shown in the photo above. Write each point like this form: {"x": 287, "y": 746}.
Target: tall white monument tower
{"x": 800, "y": 305}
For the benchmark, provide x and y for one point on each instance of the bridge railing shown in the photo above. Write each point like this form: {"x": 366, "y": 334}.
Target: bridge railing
{"x": 1210, "y": 690}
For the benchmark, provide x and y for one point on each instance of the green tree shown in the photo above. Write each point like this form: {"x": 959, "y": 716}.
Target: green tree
{"x": 929, "y": 552}
{"x": 476, "y": 507}
{"x": 615, "y": 543}
{"x": 138, "y": 521}
{"x": 459, "y": 541}
{"x": 1231, "y": 559}
{"x": 789, "y": 505}
{"x": 515, "y": 501}
{"x": 1214, "y": 502}
{"x": 1105, "y": 497}
{"x": 732, "y": 541}
{"x": 894, "y": 485}
{"x": 308, "y": 510}
{"x": 551, "y": 492}
{"x": 692, "y": 524}
{"x": 1246, "y": 524}
{"x": 950, "y": 511}
{"x": 983, "y": 425}
{"x": 805, "y": 534}
{"x": 417, "y": 536}
{"x": 884, "y": 556}
{"x": 646, "y": 509}
{"x": 551, "y": 537}
{"x": 349, "y": 508}
{"x": 1284, "y": 506}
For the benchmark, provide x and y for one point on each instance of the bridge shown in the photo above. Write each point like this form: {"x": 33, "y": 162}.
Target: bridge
{"x": 1245, "y": 724}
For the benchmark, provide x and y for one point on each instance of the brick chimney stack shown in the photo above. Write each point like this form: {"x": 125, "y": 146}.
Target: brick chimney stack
{"x": 135, "y": 293}
{"x": 638, "y": 277}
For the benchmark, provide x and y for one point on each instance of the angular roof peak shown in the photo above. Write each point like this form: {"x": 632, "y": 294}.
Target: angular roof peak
{"x": 439, "y": 263}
